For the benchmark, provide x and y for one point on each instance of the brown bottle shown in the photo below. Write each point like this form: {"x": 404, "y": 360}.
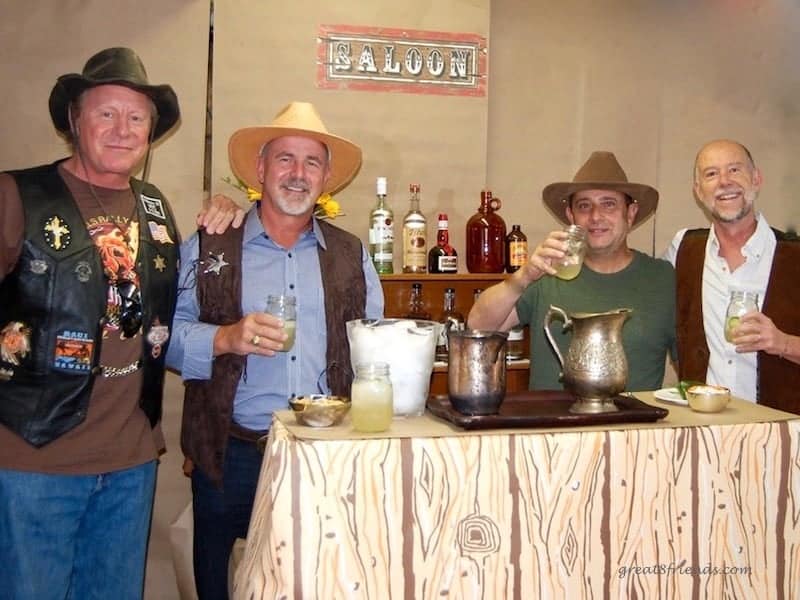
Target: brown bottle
{"x": 516, "y": 249}
{"x": 416, "y": 304}
{"x": 486, "y": 237}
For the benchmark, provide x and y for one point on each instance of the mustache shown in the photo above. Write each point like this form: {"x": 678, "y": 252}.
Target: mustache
{"x": 728, "y": 189}
{"x": 298, "y": 182}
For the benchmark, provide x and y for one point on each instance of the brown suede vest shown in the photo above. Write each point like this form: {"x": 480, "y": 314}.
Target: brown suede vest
{"x": 778, "y": 379}
{"x": 208, "y": 404}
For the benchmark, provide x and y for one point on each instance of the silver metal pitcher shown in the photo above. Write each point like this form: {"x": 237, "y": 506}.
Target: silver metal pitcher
{"x": 476, "y": 370}
{"x": 595, "y": 368}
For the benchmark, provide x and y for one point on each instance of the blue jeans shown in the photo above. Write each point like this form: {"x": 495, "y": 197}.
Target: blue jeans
{"x": 75, "y": 536}
{"x": 222, "y": 515}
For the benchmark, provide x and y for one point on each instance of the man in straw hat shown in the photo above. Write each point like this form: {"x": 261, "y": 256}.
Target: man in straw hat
{"x": 602, "y": 201}
{"x": 88, "y": 264}
{"x": 739, "y": 252}
{"x": 229, "y": 350}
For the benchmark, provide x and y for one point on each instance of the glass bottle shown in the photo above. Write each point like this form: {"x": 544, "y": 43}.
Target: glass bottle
{"x": 442, "y": 258}
{"x": 515, "y": 343}
{"x": 416, "y": 304}
{"x": 516, "y": 249}
{"x": 740, "y": 303}
{"x": 486, "y": 237}
{"x": 415, "y": 236}
{"x": 381, "y": 231}
{"x": 451, "y": 319}
{"x": 371, "y": 406}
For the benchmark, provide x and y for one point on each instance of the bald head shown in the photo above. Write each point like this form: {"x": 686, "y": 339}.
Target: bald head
{"x": 722, "y": 144}
{"x": 727, "y": 182}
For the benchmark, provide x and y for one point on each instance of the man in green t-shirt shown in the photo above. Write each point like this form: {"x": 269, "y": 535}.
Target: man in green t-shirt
{"x": 607, "y": 207}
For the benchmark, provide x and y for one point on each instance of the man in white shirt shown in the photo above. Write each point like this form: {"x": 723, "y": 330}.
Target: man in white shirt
{"x": 739, "y": 252}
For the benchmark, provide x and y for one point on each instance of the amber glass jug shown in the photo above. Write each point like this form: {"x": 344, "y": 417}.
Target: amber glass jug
{"x": 486, "y": 237}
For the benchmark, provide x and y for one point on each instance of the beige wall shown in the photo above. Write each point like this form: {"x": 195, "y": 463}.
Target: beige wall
{"x": 262, "y": 63}
{"x": 651, "y": 84}
{"x": 650, "y": 81}
{"x": 44, "y": 39}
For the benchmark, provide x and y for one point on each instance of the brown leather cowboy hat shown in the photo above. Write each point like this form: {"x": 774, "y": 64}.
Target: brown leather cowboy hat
{"x": 600, "y": 172}
{"x": 296, "y": 118}
{"x": 114, "y": 66}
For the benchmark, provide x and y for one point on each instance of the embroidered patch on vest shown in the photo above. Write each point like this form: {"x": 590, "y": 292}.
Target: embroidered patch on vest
{"x": 159, "y": 263}
{"x": 83, "y": 271}
{"x": 6, "y": 374}
{"x": 215, "y": 263}
{"x": 38, "y": 267}
{"x": 157, "y": 337}
{"x": 159, "y": 232}
{"x": 15, "y": 342}
{"x": 153, "y": 206}
{"x": 57, "y": 233}
{"x": 73, "y": 351}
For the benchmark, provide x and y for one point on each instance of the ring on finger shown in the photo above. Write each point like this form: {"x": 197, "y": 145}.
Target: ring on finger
{"x": 256, "y": 339}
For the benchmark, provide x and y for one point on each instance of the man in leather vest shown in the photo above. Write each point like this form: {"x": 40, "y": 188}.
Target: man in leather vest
{"x": 232, "y": 355}
{"x": 88, "y": 264}
{"x": 739, "y": 252}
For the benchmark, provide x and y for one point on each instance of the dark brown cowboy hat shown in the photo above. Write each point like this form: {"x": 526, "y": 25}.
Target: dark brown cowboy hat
{"x": 600, "y": 172}
{"x": 296, "y": 118}
{"x": 114, "y": 66}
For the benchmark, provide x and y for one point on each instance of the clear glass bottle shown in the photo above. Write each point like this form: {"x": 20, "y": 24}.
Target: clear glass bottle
{"x": 416, "y": 304}
{"x": 486, "y": 237}
{"x": 443, "y": 258}
{"x": 515, "y": 343}
{"x": 415, "y": 236}
{"x": 451, "y": 319}
{"x": 740, "y": 303}
{"x": 381, "y": 232}
{"x": 371, "y": 406}
{"x": 516, "y": 249}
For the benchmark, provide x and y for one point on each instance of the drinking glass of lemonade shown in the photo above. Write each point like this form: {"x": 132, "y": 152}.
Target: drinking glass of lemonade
{"x": 371, "y": 407}
{"x": 569, "y": 266}
{"x": 285, "y": 308}
{"x": 740, "y": 303}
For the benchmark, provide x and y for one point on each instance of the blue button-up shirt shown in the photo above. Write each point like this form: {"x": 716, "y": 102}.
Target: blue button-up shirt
{"x": 267, "y": 268}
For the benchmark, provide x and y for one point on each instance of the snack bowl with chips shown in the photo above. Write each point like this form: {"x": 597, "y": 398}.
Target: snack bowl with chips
{"x": 319, "y": 410}
{"x": 708, "y": 398}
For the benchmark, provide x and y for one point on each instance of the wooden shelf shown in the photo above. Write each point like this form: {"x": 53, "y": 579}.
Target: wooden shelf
{"x": 397, "y": 290}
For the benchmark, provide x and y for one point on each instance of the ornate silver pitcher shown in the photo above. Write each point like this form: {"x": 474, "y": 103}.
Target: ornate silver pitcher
{"x": 595, "y": 369}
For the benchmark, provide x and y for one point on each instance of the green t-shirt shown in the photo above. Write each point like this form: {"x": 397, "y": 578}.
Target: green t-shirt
{"x": 646, "y": 285}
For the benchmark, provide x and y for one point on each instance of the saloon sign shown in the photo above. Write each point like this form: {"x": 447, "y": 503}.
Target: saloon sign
{"x": 401, "y": 60}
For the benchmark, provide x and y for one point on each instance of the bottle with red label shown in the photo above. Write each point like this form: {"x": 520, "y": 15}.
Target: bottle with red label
{"x": 486, "y": 237}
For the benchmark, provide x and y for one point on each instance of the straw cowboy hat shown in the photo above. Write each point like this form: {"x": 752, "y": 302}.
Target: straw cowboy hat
{"x": 113, "y": 66}
{"x": 600, "y": 172}
{"x": 296, "y": 118}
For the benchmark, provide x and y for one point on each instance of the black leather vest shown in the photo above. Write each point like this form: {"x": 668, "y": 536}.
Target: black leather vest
{"x": 57, "y": 292}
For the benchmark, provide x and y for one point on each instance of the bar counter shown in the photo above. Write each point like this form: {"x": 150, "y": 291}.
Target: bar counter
{"x": 692, "y": 506}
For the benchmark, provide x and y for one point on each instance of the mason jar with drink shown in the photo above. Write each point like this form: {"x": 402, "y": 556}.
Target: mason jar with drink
{"x": 741, "y": 302}
{"x": 371, "y": 406}
{"x": 570, "y": 265}
{"x": 285, "y": 308}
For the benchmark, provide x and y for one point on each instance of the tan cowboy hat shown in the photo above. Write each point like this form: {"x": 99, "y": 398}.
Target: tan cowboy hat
{"x": 600, "y": 172}
{"x": 113, "y": 66}
{"x": 296, "y": 118}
